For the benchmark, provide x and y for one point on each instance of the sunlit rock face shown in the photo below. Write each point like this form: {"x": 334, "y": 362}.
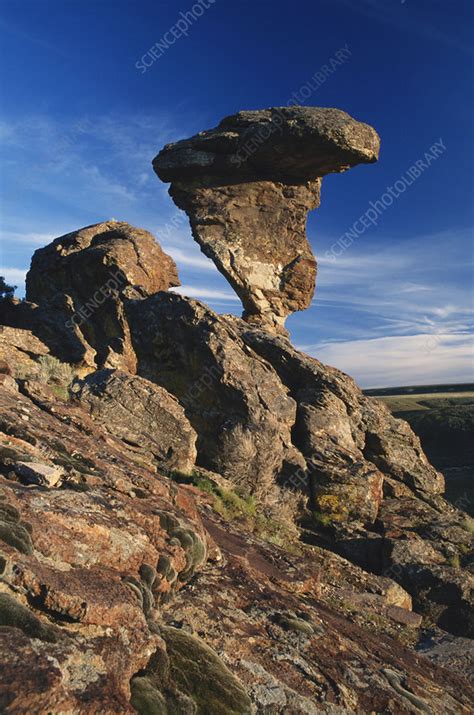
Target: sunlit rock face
{"x": 247, "y": 187}
{"x": 80, "y": 281}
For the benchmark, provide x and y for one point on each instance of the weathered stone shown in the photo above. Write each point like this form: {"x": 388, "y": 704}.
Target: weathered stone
{"x": 288, "y": 142}
{"x": 20, "y": 350}
{"x": 447, "y": 651}
{"x": 92, "y": 576}
{"x": 80, "y": 281}
{"x": 145, "y": 416}
{"x": 37, "y": 473}
{"x": 334, "y": 414}
{"x": 234, "y": 400}
{"x": 405, "y": 617}
{"x": 247, "y": 187}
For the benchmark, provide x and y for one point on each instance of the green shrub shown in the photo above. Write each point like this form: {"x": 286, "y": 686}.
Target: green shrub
{"x": 58, "y": 375}
{"x": 53, "y": 370}
{"x": 454, "y": 561}
{"x": 468, "y": 524}
{"x": 234, "y": 505}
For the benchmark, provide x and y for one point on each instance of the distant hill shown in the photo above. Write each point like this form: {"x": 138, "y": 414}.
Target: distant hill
{"x": 443, "y": 418}
{"x": 419, "y": 389}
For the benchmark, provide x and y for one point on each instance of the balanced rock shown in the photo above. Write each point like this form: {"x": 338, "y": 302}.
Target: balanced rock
{"x": 247, "y": 187}
{"x": 80, "y": 281}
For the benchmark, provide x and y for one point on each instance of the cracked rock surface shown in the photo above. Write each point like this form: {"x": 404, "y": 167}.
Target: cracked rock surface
{"x": 122, "y": 591}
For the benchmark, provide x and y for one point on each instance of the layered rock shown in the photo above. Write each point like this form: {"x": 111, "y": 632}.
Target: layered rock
{"x": 125, "y": 592}
{"x": 76, "y": 286}
{"x": 247, "y": 187}
{"x": 269, "y": 419}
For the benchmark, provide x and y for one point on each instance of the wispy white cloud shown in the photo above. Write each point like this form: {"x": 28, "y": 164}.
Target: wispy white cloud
{"x": 403, "y": 360}
{"x": 30, "y": 237}
{"x": 397, "y": 311}
{"x": 189, "y": 258}
{"x": 206, "y": 293}
{"x": 102, "y": 161}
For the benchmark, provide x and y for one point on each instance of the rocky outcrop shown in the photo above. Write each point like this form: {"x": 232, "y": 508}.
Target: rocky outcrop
{"x": 234, "y": 400}
{"x": 261, "y": 407}
{"x": 122, "y": 591}
{"x": 269, "y": 419}
{"x": 337, "y": 422}
{"x": 76, "y": 286}
{"x": 195, "y": 517}
{"x": 143, "y": 415}
{"x": 16, "y": 348}
{"x": 247, "y": 187}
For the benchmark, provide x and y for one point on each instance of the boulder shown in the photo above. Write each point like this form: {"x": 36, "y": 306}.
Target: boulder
{"x": 247, "y": 187}
{"x": 234, "y": 399}
{"x": 143, "y": 415}
{"x": 79, "y": 282}
{"x": 45, "y": 475}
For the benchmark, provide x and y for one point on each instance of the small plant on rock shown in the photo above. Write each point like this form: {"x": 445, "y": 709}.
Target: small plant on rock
{"x": 58, "y": 375}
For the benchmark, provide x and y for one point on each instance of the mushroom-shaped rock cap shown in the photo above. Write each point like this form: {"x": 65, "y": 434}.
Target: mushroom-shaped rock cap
{"x": 281, "y": 143}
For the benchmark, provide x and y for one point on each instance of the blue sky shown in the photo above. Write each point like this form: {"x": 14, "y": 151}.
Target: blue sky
{"x": 80, "y": 123}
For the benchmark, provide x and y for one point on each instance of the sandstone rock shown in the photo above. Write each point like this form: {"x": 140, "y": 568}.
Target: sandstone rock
{"x": 143, "y": 415}
{"x": 80, "y": 280}
{"x": 247, "y": 187}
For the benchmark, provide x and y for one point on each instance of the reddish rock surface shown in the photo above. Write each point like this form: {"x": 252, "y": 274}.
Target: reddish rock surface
{"x": 122, "y": 590}
{"x": 134, "y": 580}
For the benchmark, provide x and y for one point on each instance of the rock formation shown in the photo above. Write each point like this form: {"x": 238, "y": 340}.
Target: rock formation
{"x": 144, "y": 416}
{"x": 247, "y": 187}
{"x": 76, "y": 286}
{"x": 194, "y": 516}
{"x": 123, "y": 591}
{"x": 235, "y": 401}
